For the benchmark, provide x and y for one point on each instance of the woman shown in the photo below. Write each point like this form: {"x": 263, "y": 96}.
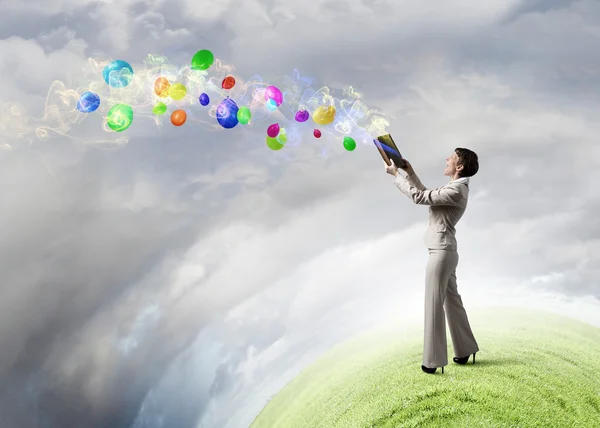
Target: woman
{"x": 447, "y": 204}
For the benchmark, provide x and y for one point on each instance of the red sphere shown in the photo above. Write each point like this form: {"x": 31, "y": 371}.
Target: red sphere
{"x": 317, "y": 133}
{"x": 228, "y": 82}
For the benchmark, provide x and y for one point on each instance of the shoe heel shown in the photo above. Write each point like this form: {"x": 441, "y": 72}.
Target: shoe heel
{"x": 474, "y": 357}
{"x": 442, "y": 370}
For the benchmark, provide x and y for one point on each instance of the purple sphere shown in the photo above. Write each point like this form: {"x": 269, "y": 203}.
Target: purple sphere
{"x": 302, "y": 115}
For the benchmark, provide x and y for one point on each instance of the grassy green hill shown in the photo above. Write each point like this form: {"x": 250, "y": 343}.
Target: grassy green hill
{"x": 533, "y": 370}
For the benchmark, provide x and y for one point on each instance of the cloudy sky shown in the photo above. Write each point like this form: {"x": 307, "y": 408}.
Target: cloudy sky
{"x": 179, "y": 277}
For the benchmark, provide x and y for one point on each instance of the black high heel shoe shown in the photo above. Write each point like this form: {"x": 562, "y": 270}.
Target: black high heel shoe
{"x": 430, "y": 371}
{"x": 463, "y": 360}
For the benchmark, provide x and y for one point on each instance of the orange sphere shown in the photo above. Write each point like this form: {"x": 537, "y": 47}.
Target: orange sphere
{"x": 161, "y": 87}
{"x": 178, "y": 117}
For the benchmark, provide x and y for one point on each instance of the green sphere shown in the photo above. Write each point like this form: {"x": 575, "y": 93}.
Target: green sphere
{"x": 159, "y": 108}
{"x": 244, "y": 115}
{"x": 349, "y": 143}
{"x": 273, "y": 144}
{"x": 202, "y": 60}
{"x": 282, "y": 136}
{"x": 120, "y": 117}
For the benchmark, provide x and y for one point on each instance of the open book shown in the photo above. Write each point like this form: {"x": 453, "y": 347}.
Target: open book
{"x": 389, "y": 151}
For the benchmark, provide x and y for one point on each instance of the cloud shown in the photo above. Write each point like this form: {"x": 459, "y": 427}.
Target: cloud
{"x": 197, "y": 264}
{"x": 269, "y": 338}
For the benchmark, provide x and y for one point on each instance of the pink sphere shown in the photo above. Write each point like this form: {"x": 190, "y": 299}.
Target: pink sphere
{"x": 317, "y": 133}
{"x": 273, "y": 130}
{"x": 272, "y": 93}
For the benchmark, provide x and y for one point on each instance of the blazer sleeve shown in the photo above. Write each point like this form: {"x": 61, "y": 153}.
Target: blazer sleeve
{"x": 414, "y": 180}
{"x": 445, "y": 195}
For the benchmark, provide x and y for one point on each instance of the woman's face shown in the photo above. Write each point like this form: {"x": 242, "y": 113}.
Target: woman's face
{"x": 451, "y": 165}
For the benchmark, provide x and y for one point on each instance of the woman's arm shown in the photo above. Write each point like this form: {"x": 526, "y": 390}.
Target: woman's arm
{"x": 412, "y": 177}
{"x": 446, "y": 195}
{"x": 412, "y": 187}
{"x": 414, "y": 180}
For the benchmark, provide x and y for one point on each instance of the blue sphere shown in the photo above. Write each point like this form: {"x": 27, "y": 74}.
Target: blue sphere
{"x": 88, "y": 102}
{"x": 271, "y": 105}
{"x": 118, "y": 74}
{"x": 204, "y": 100}
{"x": 227, "y": 113}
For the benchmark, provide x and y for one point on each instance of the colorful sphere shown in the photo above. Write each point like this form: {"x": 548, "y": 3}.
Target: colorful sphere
{"x": 204, "y": 99}
{"x": 119, "y": 117}
{"x": 282, "y": 137}
{"x": 302, "y": 115}
{"x": 244, "y": 115}
{"x": 349, "y": 143}
{"x": 161, "y": 87}
{"x": 88, "y": 102}
{"x": 324, "y": 115}
{"x": 159, "y": 108}
{"x": 118, "y": 74}
{"x": 273, "y": 130}
{"x": 177, "y": 91}
{"x": 271, "y": 105}
{"x": 202, "y": 60}
{"x": 228, "y": 82}
{"x": 227, "y": 113}
{"x": 273, "y": 144}
{"x": 317, "y": 133}
{"x": 273, "y": 93}
{"x": 178, "y": 117}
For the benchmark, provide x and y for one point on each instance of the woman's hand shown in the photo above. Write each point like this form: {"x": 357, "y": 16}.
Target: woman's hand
{"x": 391, "y": 169}
{"x": 408, "y": 168}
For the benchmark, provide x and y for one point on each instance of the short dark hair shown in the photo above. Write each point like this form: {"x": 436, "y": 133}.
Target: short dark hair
{"x": 469, "y": 161}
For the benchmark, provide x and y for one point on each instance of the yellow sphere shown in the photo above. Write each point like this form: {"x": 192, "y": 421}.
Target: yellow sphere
{"x": 177, "y": 91}
{"x": 324, "y": 115}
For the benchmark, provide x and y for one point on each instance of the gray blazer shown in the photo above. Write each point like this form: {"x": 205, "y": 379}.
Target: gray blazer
{"x": 447, "y": 204}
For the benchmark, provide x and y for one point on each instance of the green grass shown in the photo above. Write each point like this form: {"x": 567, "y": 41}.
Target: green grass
{"x": 533, "y": 370}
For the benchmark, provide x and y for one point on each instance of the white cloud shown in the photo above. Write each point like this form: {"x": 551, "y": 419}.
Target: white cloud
{"x": 187, "y": 234}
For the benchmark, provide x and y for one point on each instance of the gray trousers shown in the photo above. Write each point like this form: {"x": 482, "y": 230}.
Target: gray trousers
{"x": 443, "y": 301}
